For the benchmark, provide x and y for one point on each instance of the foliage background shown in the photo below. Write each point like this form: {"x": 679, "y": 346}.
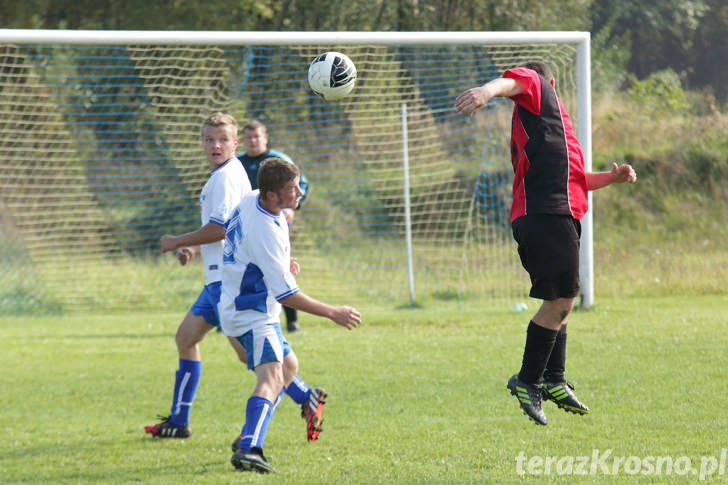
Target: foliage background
{"x": 636, "y": 38}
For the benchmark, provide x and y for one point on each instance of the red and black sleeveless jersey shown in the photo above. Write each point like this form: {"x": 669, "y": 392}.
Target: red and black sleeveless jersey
{"x": 546, "y": 156}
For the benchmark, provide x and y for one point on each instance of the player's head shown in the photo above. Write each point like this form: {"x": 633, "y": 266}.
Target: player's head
{"x": 278, "y": 183}
{"x": 542, "y": 68}
{"x": 255, "y": 138}
{"x": 219, "y": 138}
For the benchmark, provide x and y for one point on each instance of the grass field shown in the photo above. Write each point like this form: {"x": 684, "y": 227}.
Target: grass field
{"x": 415, "y": 397}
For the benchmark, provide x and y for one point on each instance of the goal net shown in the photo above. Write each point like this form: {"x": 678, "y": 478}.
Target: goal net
{"x": 100, "y": 155}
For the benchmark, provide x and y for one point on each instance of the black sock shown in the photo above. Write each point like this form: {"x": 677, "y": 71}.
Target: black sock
{"x": 556, "y": 365}
{"x": 291, "y": 314}
{"x": 539, "y": 342}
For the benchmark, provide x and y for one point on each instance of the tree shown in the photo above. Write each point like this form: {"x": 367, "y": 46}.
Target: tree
{"x": 658, "y": 34}
{"x": 710, "y": 50}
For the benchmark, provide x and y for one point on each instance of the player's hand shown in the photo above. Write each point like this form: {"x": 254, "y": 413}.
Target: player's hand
{"x": 185, "y": 255}
{"x": 470, "y": 101}
{"x": 623, "y": 173}
{"x": 346, "y": 316}
{"x": 169, "y": 243}
{"x": 295, "y": 267}
{"x": 289, "y": 214}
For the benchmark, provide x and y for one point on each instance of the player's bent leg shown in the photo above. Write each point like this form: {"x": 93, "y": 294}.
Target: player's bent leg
{"x": 269, "y": 380}
{"x": 189, "y": 334}
{"x": 259, "y": 411}
{"x": 312, "y": 407}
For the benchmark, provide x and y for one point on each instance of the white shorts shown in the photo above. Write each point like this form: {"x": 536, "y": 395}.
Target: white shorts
{"x": 265, "y": 344}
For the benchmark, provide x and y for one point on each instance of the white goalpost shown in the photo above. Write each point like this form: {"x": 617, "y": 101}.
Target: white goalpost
{"x": 100, "y": 156}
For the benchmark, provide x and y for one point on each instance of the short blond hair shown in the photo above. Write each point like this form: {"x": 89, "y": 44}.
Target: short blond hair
{"x": 220, "y": 119}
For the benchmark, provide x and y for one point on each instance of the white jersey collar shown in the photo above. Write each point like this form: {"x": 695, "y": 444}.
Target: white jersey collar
{"x": 222, "y": 164}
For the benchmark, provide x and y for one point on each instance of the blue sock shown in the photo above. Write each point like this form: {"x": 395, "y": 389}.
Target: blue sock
{"x": 185, "y": 385}
{"x": 257, "y": 416}
{"x": 298, "y": 390}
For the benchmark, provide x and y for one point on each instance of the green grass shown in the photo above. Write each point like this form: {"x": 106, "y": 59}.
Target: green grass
{"x": 416, "y": 396}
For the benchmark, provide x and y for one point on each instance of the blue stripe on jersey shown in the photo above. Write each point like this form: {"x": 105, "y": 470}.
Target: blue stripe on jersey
{"x": 253, "y": 292}
{"x": 263, "y": 209}
{"x": 287, "y": 294}
{"x": 233, "y": 235}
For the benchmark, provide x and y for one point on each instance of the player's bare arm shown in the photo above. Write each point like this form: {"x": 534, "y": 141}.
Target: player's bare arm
{"x": 619, "y": 174}
{"x": 345, "y": 316}
{"x": 210, "y": 232}
{"x": 470, "y": 101}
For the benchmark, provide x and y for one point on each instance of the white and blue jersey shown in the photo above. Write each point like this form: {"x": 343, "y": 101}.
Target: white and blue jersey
{"x": 256, "y": 271}
{"x": 222, "y": 193}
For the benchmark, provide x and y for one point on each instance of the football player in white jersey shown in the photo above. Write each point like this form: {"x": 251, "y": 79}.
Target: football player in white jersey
{"x": 257, "y": 277}
{"x": 219, "y": 197}
{"x": 255, "y": 141}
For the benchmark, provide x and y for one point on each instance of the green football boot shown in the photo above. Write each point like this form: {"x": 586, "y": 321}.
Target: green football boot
{"x": 529, "y": 398}
{"x": 562, "y": 393}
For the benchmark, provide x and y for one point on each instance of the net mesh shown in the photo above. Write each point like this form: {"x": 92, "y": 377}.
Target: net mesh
{"x": 100, "y": 155}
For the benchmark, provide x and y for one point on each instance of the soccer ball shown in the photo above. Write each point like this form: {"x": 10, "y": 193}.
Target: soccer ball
{"x": 332, "y": 75}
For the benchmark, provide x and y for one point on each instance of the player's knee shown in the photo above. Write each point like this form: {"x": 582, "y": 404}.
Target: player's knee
{"x": 185, "y": 340}
{"x": 191, "y": 331}
{"x": 290, "y": 367}
{"x": 565, "y": 307}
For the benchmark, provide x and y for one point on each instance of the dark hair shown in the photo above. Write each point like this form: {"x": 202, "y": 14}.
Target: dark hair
{"x": 254, "y": 125}
{"x": 274, "y": 173}
{"x": 542, "y": 68}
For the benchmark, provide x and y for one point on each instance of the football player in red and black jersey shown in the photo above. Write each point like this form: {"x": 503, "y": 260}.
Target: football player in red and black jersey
{"x": 549, "y": 199}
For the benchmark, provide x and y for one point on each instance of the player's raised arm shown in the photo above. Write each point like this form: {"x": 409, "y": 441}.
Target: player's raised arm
{"x": 470, "y": 101}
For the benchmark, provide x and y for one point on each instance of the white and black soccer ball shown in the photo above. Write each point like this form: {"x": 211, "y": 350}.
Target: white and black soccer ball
{"x": 332, "y": 75}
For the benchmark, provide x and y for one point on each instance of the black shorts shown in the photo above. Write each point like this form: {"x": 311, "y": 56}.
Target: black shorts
{"x": 549, "y": 249}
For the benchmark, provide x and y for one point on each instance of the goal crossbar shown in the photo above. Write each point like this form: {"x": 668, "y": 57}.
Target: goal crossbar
{"x": 148, "y": 37}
